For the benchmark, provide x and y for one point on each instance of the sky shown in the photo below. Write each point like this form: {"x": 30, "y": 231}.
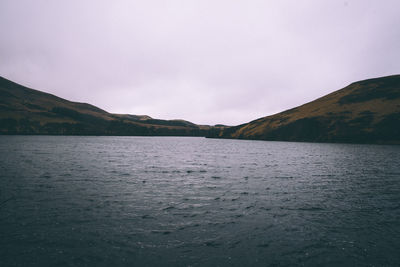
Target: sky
{"x": 206, "y": 61}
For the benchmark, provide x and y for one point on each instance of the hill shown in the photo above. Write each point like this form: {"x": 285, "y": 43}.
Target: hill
{"x": 364, "y": 112}
{"x": 28, "y": 111}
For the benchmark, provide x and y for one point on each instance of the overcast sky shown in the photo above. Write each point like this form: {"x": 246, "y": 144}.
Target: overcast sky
{"x": 207, "y": 61}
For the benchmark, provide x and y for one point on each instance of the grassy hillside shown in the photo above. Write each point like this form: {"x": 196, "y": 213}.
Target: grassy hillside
{"x": 27, "y": 111}
{"x": 364, "y": 112}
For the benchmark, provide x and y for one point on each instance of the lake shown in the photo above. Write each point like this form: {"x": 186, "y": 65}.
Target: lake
{"x": 183, "y": 201}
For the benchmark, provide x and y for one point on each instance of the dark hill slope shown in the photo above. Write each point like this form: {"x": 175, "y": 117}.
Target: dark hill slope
{"x": 27, "y": 111}
{"x": 364, "y": 112}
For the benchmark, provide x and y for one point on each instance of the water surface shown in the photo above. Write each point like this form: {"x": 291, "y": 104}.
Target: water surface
{"x": 174, "y": 201}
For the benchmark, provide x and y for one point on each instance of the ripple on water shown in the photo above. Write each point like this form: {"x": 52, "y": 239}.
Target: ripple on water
{"x": 194, "y": 201}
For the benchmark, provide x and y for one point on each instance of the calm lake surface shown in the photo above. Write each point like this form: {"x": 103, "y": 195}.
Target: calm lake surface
{"x": 172, "y": 201}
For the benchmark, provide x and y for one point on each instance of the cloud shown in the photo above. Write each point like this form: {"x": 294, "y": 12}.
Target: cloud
{"x": 205, "y": 61}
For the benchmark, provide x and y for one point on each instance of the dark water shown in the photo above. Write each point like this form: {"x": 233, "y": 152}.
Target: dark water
{"x": 133, "y": 201}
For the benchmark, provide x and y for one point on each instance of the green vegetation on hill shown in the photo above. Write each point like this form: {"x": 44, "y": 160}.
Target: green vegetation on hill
{"x": 27, "y": 111}
{"x": 364, "y": 112}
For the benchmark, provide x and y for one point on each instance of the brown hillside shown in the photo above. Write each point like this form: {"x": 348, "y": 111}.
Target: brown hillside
{"x": 27, "y": 111}
{"x": 363, "y": 112}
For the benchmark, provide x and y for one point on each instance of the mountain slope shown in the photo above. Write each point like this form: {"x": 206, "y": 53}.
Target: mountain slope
{"x": 27, "y": 111}
{"x": 364, "y": 112}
